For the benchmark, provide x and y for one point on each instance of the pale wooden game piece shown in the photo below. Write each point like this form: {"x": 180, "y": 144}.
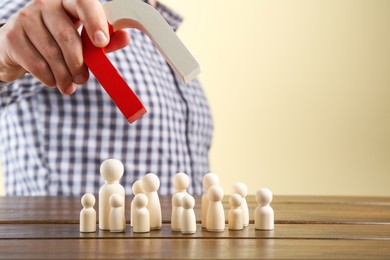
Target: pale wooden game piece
{"x": 141, "y": 217}
{"x": 264, "y": 214}
{"x": 151, "y": 184}
{"x": 181, "y": 181}
{"x": 215, "y": 221}
{"x": 111, "y": 170}
{"x": 242, "y": 189}
{"x": 188, "y": 222}
{"x": 117, "y": 217}
{"x": 177, "y": 211}
{"x": 88, "y": 214}
{"x": 136, "y": 189}
{"x": 137, "y": 14}
{"x": 235, "y": 213}
{"x": 209, "y": 180}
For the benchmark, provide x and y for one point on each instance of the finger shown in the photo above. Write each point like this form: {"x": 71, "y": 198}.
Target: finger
{"x": 64, "y": 32}
{"x": 91, "y": 14}
{"x": 119, "y": 40}
{"x": 47, "y": 46}
{"x": 27, "y": 56}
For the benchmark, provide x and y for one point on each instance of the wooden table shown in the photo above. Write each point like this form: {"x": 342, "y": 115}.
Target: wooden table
{"x": 306, "y": 228}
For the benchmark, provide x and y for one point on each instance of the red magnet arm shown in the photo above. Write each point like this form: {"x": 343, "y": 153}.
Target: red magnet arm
{"x": 116, "y": 87}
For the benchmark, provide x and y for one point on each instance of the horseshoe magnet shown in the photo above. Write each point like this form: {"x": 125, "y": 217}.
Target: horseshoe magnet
{"x": 138, "y": 15}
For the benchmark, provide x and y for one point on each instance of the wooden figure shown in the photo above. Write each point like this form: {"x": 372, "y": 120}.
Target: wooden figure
{"x": 88, "y": 214}
{"x": 180, "y": 183}
{"x": 117, "y": 216}
{"x": 177, "y": 211}
{"x": 141, "y": 216}
{"x": 151, "y": 184}
{"x": 241, "y": 189}
{"x": 264, "y": 214}
{"x": 111, "y": 170}
{"x": 188, "y": 222}
{"x": 136, "y": 189}
{"x": 209, "y": 180}
{"x": 215, "y": 221}
{"x": 235, "y": 213}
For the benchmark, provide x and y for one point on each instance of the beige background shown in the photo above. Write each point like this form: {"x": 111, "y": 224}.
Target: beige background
{"x": 300, "y": 92}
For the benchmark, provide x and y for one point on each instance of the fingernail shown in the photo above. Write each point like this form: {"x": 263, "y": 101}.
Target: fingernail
{"x": 72, "y": 89}
{"x": 100, "y": 39}
{"x": 69, "y": 90}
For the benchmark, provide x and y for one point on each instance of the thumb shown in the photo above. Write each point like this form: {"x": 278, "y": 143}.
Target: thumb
{"x": 92, "y": 16}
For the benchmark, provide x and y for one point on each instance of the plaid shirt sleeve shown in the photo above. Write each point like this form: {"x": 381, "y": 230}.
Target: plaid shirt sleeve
{"x": 54, "y": 144}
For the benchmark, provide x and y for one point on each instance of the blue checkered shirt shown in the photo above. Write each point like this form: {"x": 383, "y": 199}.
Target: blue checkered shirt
{"x": 53, "y": 144}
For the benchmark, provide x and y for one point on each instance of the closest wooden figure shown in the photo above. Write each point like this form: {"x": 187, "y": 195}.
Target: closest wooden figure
{"x": 264, "y": 214}
{"x": 88, "y": 214}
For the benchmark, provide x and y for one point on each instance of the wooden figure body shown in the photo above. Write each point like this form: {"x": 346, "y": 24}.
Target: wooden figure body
{"x": 215, "y": 221}
{"x": 151, "y": 184}
{"x": 264, "y": 214}
{"x": 180, "y": 182}
{"x": 117, "y": 220}
{"x": 209, "y": 180}
{"x": 242, "y": 190}
{"x": 177, "y": 211}
{"x": 235, "y": 213}
{"x": 141, "y": 217}
{"x": 111, "y": 170}
{"x": 188, "y": 219}
{"x": 136, "y": 189}
{"x": 88, "y": 214}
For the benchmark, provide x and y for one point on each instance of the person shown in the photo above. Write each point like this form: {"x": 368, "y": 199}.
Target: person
{"x": 58, "y": 124}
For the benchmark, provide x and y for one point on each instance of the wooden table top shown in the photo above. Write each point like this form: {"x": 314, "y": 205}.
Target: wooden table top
{"x": 306, "y": 227}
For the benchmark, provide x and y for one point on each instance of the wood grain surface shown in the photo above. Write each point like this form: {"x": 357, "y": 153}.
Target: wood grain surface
{"x": 333, "y": 210}
{"x": 194, "y": 249}
{"x": 306, "y": 228}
